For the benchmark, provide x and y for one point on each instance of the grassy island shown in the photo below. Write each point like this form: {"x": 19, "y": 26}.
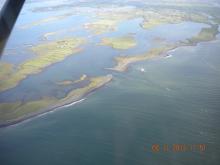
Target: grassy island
{"x": 206, "y": 34}
{"x": 46, "y": 55}
{"x": 124, "y": 61}
{"x": 108, "y": 19}
{"x": 14, "y": 112}
{"x": 124, "y": 42}
{"x": 70, "y": 82}
{"x": 102, "y": 26}
{"x": 95, "y": 83}
{"x": 5, "y": 70}
{"x": 155, "y": 18}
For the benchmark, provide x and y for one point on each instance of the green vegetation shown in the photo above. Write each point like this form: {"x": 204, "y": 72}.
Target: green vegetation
{"x": 206, "y": 34}
{"x": 124, "y": 42}
{"x": 17, "y": 111}
{"x": 156, "y": 18}
{"x": 5, "y": 70}
{"x": 77, "y": 94}
{"x": 123, "y": 62}
{"x": 107, "y": 19}
{"x": 70, "y": 82}
{"x": 46, "y": 55}
{"x": 102, "y": 26}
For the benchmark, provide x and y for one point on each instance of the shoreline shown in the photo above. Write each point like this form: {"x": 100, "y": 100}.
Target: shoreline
{"x": 39, "y": 114}
{"x": 205, "y": 35}
{"x": 18, "y": 111}
{"x": 45, "y": 57}
{"x": 71, "y": 100}
{"x": 82, "y": 98}
{"x": 123, "y": 62}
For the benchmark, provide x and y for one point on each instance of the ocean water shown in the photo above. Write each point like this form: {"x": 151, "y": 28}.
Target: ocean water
{"x": 175, "y": 101}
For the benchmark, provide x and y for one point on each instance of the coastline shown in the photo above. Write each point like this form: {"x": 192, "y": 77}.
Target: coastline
{"x": 124, "y": 62}
{"x": 28, "y": 117}
{"x": 47, "y": 55}
{"x": 205, "y": 35}
{"x": 98, "y": 82}
{"x": 72, "y": 98}
{"x": 52, "y": 52}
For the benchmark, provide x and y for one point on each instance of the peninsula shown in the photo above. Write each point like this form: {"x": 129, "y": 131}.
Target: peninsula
{"x": 46, "y": 55}
{"x": 124, "y": 61}
{"x": 206, "y": 34}
{"x": 14, "y": 112}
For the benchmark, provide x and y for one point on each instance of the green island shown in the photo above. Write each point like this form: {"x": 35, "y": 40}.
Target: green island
{"x": 14, "y": 112}
{"x": 70, "y": 82}
{"x": 124, "y": 61}
{"x": 109, "y": 19}
{"x": 46, "y": 55}
{"x": 124, "y": 42}
{"x": 206, "y": 34}
{"x": 155, "y": 18}
{"x": 102, "y": 26}
{"x": 5, "y": 70}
